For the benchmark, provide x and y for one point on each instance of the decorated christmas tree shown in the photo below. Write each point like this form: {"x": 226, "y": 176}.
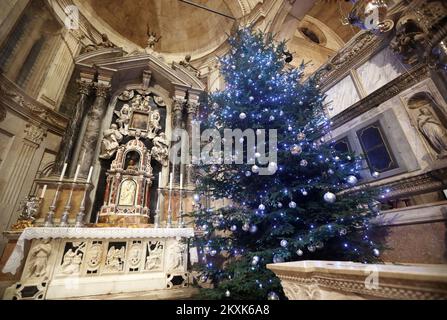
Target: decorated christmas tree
{"x": 304, "y": 203}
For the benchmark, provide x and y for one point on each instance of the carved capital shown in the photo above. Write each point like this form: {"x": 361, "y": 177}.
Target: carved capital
{"x": 35, "y": 133}
{"x": 84, "y": 87}
{"x": 178, "y": 105}
{"x": 102, "y": 90}
{"x": 192, "y": 107}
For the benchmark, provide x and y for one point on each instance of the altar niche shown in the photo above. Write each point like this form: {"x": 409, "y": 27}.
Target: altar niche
{"x": 133, "y": 151}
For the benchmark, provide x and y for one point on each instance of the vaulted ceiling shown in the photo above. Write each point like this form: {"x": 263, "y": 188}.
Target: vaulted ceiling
{"x": 184, "y": 28}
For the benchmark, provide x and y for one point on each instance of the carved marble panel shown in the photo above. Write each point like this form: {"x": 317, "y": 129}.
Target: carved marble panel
{"x": 341, "y": 96}
{"x": 379, "y": 70}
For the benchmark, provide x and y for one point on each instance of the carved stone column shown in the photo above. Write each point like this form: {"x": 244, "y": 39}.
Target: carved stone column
{"x": 191, "y": 110}
{"x": 93, "y": 128}
{"x": 177, "y": 119}
{"x": 72, "y": 132}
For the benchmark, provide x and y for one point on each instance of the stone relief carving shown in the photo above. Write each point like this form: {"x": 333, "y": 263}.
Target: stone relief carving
{"x": 124, "y": 119}
{"x": 71, "y": 263}
{"x": 155, "y": 255}
{"x": 39, "y": 258}
{"x": 110, "y": 142}
{"x": 175, "y": 259}
{"x": 135, "y": 251}
{"x": 420, "y": 34}
{"x": 105, "y": 43}
{"x": 115, "y": 259}
{"x": 94, "y": 257}
{"x": 152, "y": 40}
{"x": 187, "y": 65}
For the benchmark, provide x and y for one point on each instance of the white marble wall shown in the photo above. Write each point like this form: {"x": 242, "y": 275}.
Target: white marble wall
{"x": 379, "y": 70}
{"x": 341, "y": 96}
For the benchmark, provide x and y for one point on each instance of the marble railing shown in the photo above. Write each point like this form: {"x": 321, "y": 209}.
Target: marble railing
{"x": 335, "y": 280}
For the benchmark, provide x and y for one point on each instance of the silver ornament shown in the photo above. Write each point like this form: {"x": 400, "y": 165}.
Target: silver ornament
{"x": 303, "y": 163}
{"x": 301, "y": 136}
{"x": 292, "y": 204}
{"x": 296, "y": 149}
{"x": 272, "y": 118}
{"x": 272, "y": 296}
{"x": 284, "y": 243}
{"x": 213, "y": 252}
{"x": 247, "y": 173}
{"x": 304, "y": 192}
{"x": 330, "y": 171}
{"x": 277, "y": 259}
{"x": 299, "y": 252}
{"x": 343, "y": 232}
{"x": 253, "y": 229}
{"x": 242, "y": 116}
{"x": 279, "y": 205}
{"x": 257, "y": 155}
{"x": 255, "y": 169}
{"x": 290, "y": 128}
{"x": 352, "y": 180}
{"x": 246, "y": 227}
{"x": 261, "y": 207}
{"x": 376, "y": 252}
{"x": 329, "y": 197}
{"x": 311, "y": 248}
{"x": 255, "y": 260}
{"x": 375, "y": 174}
{"x": 196, "y": 198}
{"x": 233, "y": 228}
{"x": 227, "y": 293}
{"x": 251, "y": 98}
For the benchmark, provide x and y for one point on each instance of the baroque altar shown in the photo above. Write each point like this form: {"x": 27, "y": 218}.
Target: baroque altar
{"x": 109, "y": 220}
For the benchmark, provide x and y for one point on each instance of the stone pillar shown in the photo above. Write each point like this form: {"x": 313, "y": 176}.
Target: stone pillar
{"x": 177, "y": 124}
{"x": 192, "y": 108}
{"x": 72, "y": 131}
{"x": 93, "y": 128}
{"x": 33, "y": 137}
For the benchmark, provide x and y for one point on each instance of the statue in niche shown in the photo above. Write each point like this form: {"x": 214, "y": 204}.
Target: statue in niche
{"x": 132, "y": 161}
{"x": 110, "y": 142}
{"x": 40, "y": 254}
{"x": 175, "y": 258}
{"x": 128, "y": 192}
{"x": 160, "y": 150}
{"x": 124, "y": 119}
{"x": 71, "y": 263}
{"x": 433, "y": 131}
{"x": 115, "y": 259}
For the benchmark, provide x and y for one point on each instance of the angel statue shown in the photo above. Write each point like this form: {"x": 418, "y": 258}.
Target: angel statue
{"x": 105, "y": 43}
{"x": 124, "y": 119}
{"x": 160, "y": 149}
{"x": 152, "y": 40}
{"x": 110, "y": 142}
{"x": 154, "y": 123}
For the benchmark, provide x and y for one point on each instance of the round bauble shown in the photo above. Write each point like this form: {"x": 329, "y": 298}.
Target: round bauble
{"x": 233, "y": 228}
{"x": 284, "y": 243}
{"x": 261, "y": 207}
{"x": 329, "y": 197}
{"x": 272, "y": 296}
{"x": 242, "y": 116}
{"x": 352, "y": 180}
{"x": 296, "y": 149}
{"x": 299, "y": 252}
{"x": 292, "y": 204}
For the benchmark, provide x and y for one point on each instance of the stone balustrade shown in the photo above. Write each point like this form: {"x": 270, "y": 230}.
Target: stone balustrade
{"x": 336, "y": 280}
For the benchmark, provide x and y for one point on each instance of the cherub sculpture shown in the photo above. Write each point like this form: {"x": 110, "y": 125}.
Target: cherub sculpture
{"x": 124, "y": 119}
{"x": 110, "y": 142}
{"x": 152, "y": 40}
{"x": 160, "y": 150}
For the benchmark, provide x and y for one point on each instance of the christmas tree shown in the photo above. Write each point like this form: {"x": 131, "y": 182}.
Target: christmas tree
{"x": 303, "y": 205}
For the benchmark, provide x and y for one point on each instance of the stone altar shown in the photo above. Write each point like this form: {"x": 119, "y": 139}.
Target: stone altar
{"x": 79, "y": 262}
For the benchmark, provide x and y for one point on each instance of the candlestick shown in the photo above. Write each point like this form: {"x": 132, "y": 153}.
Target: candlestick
{"x": 76, "y": 173}
{"x": 181, "y": 180}
{"x": 43, "y": 191}
{"x": 159, "y": 179}
{"x": 180, "y": 211}
{"x": 66, "y": 213}
{"x": 63, "y": 172}
{"x": 90, "y": 174}
{"x": 49, "y": 219}
{"x": 169, "y": 220}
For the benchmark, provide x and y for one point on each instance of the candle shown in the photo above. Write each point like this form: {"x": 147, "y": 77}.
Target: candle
{"x": 170, "y": 181}
{"x": 76, "y": 173}
{"x": 83, "y": 156}
{"x": 181, "y": 180}
{"x": 90, "y": 174}
{"x": 43, "y": 191}
{"x": 63, "y": 172}
{"x": 159, "y": 179}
